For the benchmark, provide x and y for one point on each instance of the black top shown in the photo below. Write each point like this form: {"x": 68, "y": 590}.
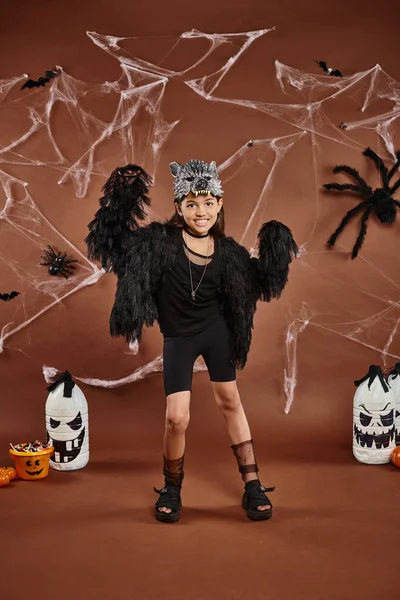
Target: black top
{"x": 179, "y": 315}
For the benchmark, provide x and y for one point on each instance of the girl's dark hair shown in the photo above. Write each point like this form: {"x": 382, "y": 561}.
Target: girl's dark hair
{"x": 217, "y": 230}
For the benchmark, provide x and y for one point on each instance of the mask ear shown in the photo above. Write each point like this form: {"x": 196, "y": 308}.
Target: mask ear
{"x": 175, "y": 167}
{"x": 213, "y": 166}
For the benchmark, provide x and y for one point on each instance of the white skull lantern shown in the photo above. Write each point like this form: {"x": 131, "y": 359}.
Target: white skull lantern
{"x": 394, "y": 382}
{"x": 67, "y": 424}
{"x": 373, "y": 419}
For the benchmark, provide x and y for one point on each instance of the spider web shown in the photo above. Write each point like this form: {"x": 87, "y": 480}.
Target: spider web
{"x": 318, "y": 121}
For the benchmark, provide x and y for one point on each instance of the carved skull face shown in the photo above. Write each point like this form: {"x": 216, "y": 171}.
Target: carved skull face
{"x": 375, "y": 428}
{"x": 373, "y": 423}
{"x": 67, "y": 427}
{"x": 394, "y": 382}
{"x": 60, "y": 434}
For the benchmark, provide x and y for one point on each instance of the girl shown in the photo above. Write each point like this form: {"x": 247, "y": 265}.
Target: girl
{"x": 202, "y": 287}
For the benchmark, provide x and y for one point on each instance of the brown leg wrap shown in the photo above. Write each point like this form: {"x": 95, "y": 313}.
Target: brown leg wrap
{"x": 173, "y": 471}
{"x": 246, "y": 459}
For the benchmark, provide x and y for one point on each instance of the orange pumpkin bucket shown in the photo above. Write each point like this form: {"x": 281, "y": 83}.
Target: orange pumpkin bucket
{"x": 32, "y": 466}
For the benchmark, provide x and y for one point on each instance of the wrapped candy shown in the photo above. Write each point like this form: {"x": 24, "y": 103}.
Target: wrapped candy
{"x": 35, "y": 446}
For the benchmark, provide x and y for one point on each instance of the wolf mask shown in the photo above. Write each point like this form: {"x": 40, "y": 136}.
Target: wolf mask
{"x": 196, "y": 176}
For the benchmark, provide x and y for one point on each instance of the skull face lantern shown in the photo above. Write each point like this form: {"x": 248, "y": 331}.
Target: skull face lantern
{"x": 67, "y": 424}
{"x": 394, "y": 382}
{"x": 373, "y": 419}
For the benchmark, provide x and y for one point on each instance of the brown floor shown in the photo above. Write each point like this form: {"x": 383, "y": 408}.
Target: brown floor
{"x": 91, "y": 533}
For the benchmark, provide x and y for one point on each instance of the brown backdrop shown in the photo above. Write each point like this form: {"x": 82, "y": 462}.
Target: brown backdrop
{"x": 91, "y": 533}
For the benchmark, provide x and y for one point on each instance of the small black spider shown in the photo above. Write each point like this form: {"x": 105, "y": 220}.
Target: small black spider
{"x": 379, "y": 201}
{"x": 57, "y": 263}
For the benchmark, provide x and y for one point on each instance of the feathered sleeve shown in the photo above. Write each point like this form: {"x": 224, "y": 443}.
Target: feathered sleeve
{"x": 133, "y": 288}
{"x": 122, "y": 206}
{"x": 138, "y": 278}
{"x": 276, "y": 250}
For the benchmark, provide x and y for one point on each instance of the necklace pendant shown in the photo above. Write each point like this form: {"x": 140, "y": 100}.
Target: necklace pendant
{"x": 193, "y": 296}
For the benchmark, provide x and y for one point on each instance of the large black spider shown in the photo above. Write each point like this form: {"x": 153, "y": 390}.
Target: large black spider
{"x": 57, "y": 263}
{"x": 379, "y": 201}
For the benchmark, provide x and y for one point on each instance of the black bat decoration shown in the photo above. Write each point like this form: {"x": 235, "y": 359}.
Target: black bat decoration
{"x": 41, "y": 82}
{"x": 10, "y": 296}
{"x": 329, "y": 70}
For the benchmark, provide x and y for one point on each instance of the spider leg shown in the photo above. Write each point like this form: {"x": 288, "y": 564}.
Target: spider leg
{"x": 395, "y": 187}
{"x": 396, "y": 202}
{"x": 345, "y": 186}
{"x": 67, "y": 269}
{"x": 348, "y": 216}
{"x": 52, "y": 252}
{"x": 353, "y": 173}
{"x": 363, "y": 231}
{"x": 68, "y": 260}
{"x": 395, "y": 166}
{"x": 380, "y": 165}
{"x": 49, "y": 254}
{"x": 46, "y": 264}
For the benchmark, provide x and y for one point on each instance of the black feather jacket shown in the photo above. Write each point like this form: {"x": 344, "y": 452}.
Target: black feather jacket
{"x": 245, "y": 280}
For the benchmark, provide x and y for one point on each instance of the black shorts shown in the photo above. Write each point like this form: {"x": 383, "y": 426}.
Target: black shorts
{"x": 180, "y": 354}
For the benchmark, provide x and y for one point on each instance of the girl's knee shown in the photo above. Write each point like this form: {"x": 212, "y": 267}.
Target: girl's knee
{"x": 177, "y": 421}
{"x": 177, "y": 415}
{"x": 228, "y": 402}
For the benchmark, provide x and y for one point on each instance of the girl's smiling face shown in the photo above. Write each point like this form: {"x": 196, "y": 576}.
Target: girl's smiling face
{"x": 199, "y": 212}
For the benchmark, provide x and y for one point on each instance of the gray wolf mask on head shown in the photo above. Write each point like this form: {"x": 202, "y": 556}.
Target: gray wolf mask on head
{"x": 196, "y": 176}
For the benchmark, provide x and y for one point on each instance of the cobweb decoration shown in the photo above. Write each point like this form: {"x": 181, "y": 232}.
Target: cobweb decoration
{"x": 241, "y": 41}
{"x": 240, "y": 159}
{"x": 134, "y": 131}
{"x": 290, "y": 372}
{"x": 6, "y": 85}
{"x": 318, "y": 119}
{"x": 50, "y": 374}
{"x": 24, "y": 233}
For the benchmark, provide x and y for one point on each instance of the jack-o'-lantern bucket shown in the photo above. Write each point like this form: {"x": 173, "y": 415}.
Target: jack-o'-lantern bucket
{"x": 32, "y": 466}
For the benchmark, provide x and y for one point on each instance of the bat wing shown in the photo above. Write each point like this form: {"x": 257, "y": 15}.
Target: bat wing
{"x": 10, "y": 296}
{"x": 322, "y": 64}
{"x": 50, "y": 74}
{"x": 336, "y": 73}
{"x": 30, "y": 84}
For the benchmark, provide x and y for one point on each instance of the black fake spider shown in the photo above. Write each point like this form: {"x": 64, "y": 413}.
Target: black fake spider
{"x": 57, "y": 263}
{"x": 379, "y": 201}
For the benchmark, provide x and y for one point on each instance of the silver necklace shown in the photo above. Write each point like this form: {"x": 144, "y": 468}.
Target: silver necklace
{"x": 194, "y": 291}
